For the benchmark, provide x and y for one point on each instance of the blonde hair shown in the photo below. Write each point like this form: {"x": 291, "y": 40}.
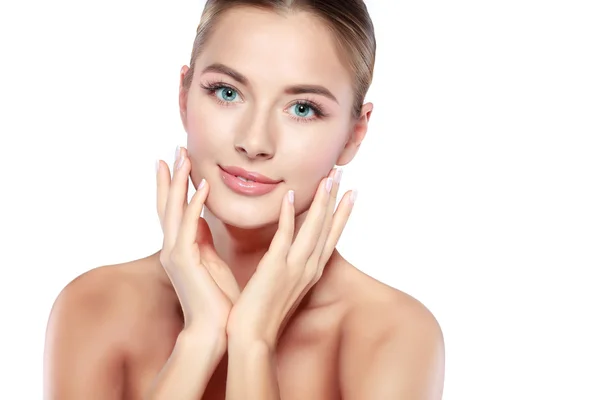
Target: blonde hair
{"x": 348, "y": 20}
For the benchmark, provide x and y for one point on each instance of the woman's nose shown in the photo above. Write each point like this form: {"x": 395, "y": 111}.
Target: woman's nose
{"x": 256, "y": 141}
{"x": 253, "y": 151}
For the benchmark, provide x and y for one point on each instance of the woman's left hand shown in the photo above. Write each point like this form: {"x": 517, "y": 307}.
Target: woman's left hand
{"x": 290, "y": 267}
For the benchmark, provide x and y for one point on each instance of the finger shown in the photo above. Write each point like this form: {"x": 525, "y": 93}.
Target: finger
{"x": 316, "y": 255}
{"x": 163, "y": 182}
{"x": 285, "y": 230}
{"x": 186, "y": 186}
{"x": 223, "y": 277}
{"x": 307, "y": 237}
{"x": 188, "y": 228}
{"x": 203, "y": 237}
{"x": 175, "y": 201}
{"x": 218, "y": 269}
{"x": 340, "y": 218}
{"x": 205, "y": 241}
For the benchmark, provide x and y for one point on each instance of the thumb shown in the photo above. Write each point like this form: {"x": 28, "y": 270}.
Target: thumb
{"x": 218, "y": 269}
{"x": 205, "y": 242}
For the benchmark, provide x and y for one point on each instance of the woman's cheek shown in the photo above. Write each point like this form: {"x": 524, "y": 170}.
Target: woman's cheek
{"x": 208, "y": 132}
{"x": 205, "y": 146}
{"x": 307, "y": 173}
{"x": 322, "y": 158}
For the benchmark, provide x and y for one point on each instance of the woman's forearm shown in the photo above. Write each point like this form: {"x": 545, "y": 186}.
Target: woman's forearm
{"x": 251, "y": 372}
{"x": 189, "y": 368}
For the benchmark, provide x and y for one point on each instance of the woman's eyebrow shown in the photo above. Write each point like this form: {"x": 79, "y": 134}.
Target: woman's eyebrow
{"x": 224, "y": 69}
{"x": 314, "y": 89}
{"x": 294, "y": 89}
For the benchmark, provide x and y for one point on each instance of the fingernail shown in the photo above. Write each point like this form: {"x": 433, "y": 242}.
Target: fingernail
{"x": 180, "y": 163}
{"x": 338, "y": 175}
{"x": 353, "y": 196}
{"x": 177, "y": 152}
{"x": 328, "y": 184}
{"x": 291, "y": 196}
{"x": 157, "y": 165}
{"x": 202, "y": 183}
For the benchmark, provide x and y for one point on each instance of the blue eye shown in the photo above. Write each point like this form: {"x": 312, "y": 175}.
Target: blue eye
{"x": 226, "y": 94}
{"x": 303, "y": 110}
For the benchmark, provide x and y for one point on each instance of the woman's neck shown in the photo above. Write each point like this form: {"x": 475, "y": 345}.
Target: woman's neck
{"x": 242, "y": 249}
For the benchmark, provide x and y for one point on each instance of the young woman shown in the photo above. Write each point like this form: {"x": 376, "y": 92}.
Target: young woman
{"x": 252, "y": 301}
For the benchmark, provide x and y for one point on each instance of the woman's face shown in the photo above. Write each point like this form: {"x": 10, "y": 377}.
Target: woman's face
{"x": 270, "y": 95}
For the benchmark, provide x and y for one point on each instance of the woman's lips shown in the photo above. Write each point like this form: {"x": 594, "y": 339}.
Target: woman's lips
{"x": 249, "y": 175}
{"x": 257, "y": 184}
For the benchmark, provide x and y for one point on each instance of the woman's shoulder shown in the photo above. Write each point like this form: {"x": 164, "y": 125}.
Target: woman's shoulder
{"x": 386, "y": 329}
{"x": 367, "y": 298}
{"x": 380, "y": 310}
{"x": 107, "y": 299}
{"x": 93, "y": 323}
{"x": 378, "y": 306}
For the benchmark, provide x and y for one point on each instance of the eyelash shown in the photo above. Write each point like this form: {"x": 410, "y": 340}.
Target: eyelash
{"x": 212, "y": 87}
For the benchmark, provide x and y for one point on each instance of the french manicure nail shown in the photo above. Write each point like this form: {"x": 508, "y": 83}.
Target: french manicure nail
{"x": 291, "y": 196}
{"x": 202, "y": 183}
{"x": 180, "y": 163}
{"x": 353, "y": 196}
{"x": 157, "y": 166}
{"x": 177, "y": 152}
{"x": 328, "y": 185}
{"x": 338, "y": 175}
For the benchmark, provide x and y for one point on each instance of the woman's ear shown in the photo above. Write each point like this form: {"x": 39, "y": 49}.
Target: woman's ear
{"x": 183, "y": 93}
{"x": 356, "y": 135}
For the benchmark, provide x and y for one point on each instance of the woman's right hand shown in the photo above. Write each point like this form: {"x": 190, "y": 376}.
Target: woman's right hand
{"x": 204, "y": 284}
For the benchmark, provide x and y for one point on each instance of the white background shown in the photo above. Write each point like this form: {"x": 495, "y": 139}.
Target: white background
{"x": 479, "y": 179}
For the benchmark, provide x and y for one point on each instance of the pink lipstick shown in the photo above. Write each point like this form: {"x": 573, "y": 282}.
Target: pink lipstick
{"x": 247, "y": 183}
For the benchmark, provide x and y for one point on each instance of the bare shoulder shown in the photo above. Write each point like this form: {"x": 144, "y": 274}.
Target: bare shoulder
{"x": 97, "y": 295}
{"x": 94, "y": 306}
{"x": 90, "y": 327}
{"x": 391, "y": 346}
{"x": 110, "y": 298}
{"x": 377, "y": 308}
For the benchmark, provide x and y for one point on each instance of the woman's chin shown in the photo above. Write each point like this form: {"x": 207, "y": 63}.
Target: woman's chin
{"x": 245, "y": 212}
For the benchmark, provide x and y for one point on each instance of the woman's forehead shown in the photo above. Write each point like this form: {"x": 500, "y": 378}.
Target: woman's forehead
{"x": 268, "y": 47}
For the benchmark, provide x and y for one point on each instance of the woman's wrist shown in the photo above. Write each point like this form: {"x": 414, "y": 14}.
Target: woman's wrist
{"x": 238, "y": 343}
{"x": 202, "y": 341}
{"x": 188, "y": 370}
{"x": 243, "y": 332}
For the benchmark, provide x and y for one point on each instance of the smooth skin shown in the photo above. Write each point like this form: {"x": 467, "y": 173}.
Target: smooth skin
{"x": 252, "y": 300}
{"x": 213, "y": 309}
{"x": 116, "y": 333}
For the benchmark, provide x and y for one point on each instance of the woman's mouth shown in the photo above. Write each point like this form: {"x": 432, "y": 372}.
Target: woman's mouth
{"x": 244, "y": 179}
{"x": 246, "y": 182}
